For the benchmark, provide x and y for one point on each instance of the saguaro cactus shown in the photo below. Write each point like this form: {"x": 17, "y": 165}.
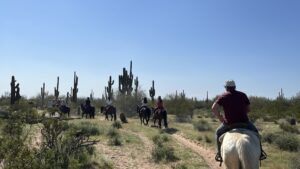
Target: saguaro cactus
{"x": 68, "y": 97}
{"x": 152, "y": 91}
{"x": 125, "y": 81}
{"x": 15, "y": 91}
{"x": 43, "y": 95}
{"x": 92, "y": 95}
{"x": 108, "y": 90}
{"x": 75, "y": 88}
{"x": 136, "y": 84}
{"x": 56, "y": 89}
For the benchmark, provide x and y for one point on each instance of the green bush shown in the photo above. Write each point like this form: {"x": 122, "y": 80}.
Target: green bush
{"x": 166, "y": 153}
{"x": 114, "y": 137}
{"x": 208, "y": 139}
{"x": 160, "y": 139}
{"x": 268, "y": 137}
{"x": 289, "y": 128}
{"x": 117, "y": 125}
{"x": 183, "y": 119}
{"x": 287, "y": 142}
{"x": 202, "y": 125}
{"x": 294, "y": 162}
{"x": 179, "y": 166}
{"x": 87, "y": 128}
{"x": 112, "y": 132}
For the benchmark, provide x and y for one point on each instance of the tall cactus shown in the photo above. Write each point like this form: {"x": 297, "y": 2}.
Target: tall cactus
{"x": 12, "y": 90}
{"x": 68, "y": 97}
{"x": 152, "y": 91}
{"x": 75, "y": 88}
{"x": 43, "y": 95}
{"x": 15, "y": 91}
{"x": 125, "y": 81}
{"x": 108, "y": 90}
{"x": 136, "y": 84}
{"x": 56, "y": 89}
{"x": 92, "y": 95}
{"x": 182, "y": 95}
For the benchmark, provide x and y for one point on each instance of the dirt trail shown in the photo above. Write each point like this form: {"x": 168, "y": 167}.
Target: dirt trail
{"x": 207, "y": 154}
{"x": 134, "y": 158}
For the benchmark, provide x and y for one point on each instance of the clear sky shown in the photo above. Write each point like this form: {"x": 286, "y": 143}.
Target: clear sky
{"x": 193, "y": 45}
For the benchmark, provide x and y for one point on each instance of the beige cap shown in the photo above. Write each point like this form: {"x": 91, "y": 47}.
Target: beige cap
{"x": 230, "y": 83}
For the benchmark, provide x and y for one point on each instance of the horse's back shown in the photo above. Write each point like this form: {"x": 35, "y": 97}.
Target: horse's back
{"x": 241, "y": 149}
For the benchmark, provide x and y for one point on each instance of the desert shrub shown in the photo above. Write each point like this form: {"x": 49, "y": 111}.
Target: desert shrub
{"x": 117, "y": 125}
{"x": 179, "y": 105}
{"x": 87, "y": 128}
{"x": 112, "y": 132}
{"x": 166, "y": 153}
{"x": 207, "y": 139}
{"x": 161, "y": 150}
{"x": 115, "y": 141}
{"x": 160, "y": 139}
{"x": 179, "y": 166}
{"x": 268, "y": 137}
{"x": 183, "y": 119}
{"x": 199, "y": 138}
{"x": 103, "y": 164}
{"x": 114, "y": 137}
{"x": 289, "y": 128}
{"x": 287, "y": 142}
{"x": 294, "y": 162}
{"x": 202, "y": 125}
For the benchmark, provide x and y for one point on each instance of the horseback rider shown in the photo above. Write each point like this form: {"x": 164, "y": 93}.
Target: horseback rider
{"x": 236, "y": 106}
{"x": 144, "y": 102}
{"x": 108, "y": 103}
{"x": 161, "y": 109}
{"x": 88, "y": 104}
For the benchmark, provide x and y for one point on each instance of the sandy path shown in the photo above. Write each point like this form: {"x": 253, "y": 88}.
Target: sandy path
{"x": 207, "y": 154}
{"x": 128, "y": 157}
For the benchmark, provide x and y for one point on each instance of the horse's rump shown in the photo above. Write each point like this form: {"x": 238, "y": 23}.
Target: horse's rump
{"x": 241, "y": 149}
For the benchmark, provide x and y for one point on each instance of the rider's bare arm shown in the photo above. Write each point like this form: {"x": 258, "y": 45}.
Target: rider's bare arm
{"x": 216, "y": 110}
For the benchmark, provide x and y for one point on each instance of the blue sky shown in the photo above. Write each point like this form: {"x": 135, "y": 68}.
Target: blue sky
{"x": 192, "y": 45}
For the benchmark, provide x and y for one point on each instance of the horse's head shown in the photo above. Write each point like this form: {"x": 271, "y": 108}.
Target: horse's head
{"x": 137, "y": 108}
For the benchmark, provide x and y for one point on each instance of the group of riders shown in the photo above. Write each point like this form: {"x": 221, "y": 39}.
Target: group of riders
{"x": 235, "y": 105}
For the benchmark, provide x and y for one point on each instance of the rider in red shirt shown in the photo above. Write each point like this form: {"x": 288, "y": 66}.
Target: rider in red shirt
{"x": 236, "y": 106}
{"x": 160, "y": 106}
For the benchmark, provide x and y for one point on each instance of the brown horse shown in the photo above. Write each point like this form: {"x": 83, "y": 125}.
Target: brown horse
{"x": 160, "y": 114}
{"x": 109, "y": 110}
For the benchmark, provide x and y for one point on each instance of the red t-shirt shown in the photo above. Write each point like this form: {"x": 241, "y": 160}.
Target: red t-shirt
{"x": 235, "y": 106}
{"x": 160, "y": 105}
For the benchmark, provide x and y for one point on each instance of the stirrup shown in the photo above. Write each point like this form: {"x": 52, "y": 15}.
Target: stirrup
{"x": 263, "y": 155}
{"x": 218, "y": 157}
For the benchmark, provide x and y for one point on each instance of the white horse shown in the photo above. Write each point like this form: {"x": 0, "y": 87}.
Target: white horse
{"x": 241, "y": 149}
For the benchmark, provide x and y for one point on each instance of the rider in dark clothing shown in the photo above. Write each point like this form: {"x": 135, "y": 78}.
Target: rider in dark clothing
{"x": 88, "y": 103}
{"x": 236, "y": 107}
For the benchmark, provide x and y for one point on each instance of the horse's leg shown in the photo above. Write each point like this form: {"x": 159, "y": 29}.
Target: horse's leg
{"x": 159, "y": 122}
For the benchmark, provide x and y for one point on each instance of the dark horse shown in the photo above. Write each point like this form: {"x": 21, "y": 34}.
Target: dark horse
{"x": 65, "y": 109}
{"x": 88, "y": 110}
{"x": 109, "y": 110}
{"x": 144, "y": 113}
{"x": 160, "y": 115}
